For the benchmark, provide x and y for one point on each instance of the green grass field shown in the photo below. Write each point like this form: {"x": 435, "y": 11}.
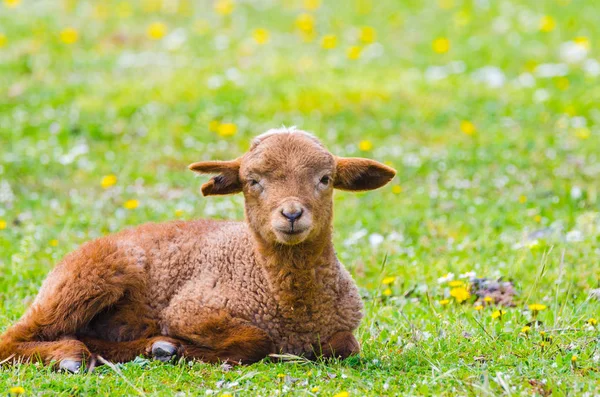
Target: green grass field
{"x": 488, "y": 110}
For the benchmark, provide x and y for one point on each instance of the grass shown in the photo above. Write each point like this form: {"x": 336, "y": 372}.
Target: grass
{"x": 498, "y": 172}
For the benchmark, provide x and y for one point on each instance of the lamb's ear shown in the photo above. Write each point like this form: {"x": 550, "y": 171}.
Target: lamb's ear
{"x": 226, "y": 182}
{"x": 356, "y": 174}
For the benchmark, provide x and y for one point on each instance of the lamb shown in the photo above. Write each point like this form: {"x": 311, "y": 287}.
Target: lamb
{"x": 216, "y": 291}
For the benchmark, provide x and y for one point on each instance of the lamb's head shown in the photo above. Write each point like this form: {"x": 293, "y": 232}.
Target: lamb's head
{"x": 288, "y": 178}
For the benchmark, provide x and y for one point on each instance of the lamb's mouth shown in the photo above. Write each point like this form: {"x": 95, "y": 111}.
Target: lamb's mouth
{"x": 291, "y": 236}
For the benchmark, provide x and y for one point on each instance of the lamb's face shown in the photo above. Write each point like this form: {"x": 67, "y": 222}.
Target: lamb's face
{"x": 288, "y": 178}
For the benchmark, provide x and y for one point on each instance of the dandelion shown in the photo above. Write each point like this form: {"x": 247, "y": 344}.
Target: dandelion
{"x": 387, "y": 292}
{"x": 224, "y": 7}
{"x": 179, "y": 213}
{"x": 305, "y": 22}
{"x": 525, "y": 329}
{"x": 536, "y": 308}
{"x": 445, "y": 302}
{"x": 353, "y": 52}
{"x": 329, "y": 41}
{"x": 537, "y": 218}
{"x": 108, "y": 181}
{"x": 488, "y": 299}
{"x": 53, "y": 242}
{"x": 12, "y": 3}
{"x": 456, "y": 283}
{"x": 261, "y": 36}
{"x": 281, "y": 376}
{"x": 573, "y": 358}
{"x": 478, "y": 307}
{"x": 156, "y": 30}
{"x": 582, "y": 133}
{"x": 388, "y": 280}
{"x": 365, "y": 145}
{"x": 227, "y": 129}
{"x": 131, "y": 204}
{"x": 441, "y": 45}
{"x": 583, "y": 42}
{"x": 460, "y": 294}
{"x": 312, "y": 5}
{"x": 396, "y": 189}
{"x": 593, "y": 322}
{"x": 547, "y": 24}
{"x": 467, "y": 127}
{"x": 315, "y": 389}
{"x": 342, "y": 394}
{"x": 69, "y": 36}
{"x": 498, "y": 314}
{"x": 367, "y": 34}
{"x": 2, "y": 224}
{"x": 3, "y": 40}
{"x": 18, "y": 390}
{"x": 522, "y": 199}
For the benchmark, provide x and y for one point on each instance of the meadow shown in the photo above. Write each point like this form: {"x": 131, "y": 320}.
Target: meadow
{"x": 488, "y": 110}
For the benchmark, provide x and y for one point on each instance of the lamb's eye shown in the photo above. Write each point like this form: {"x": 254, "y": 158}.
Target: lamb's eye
{"x": 325, "y": 180}
{"x": 252, "y": 182}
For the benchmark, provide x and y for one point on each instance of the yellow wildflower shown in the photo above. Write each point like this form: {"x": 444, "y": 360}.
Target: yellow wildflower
{"x": 312, "y": 5}
{"x": 108, "y": 181}
{"x": 547, "y": 24}
{"x": 315, "y": 389}
{"x": 488, "y": 299}
{"x": 522, "y": 199}
{"x": 478, "y": 307}
{"x": 2, "y": 224}
{"x": 156, "y": 30}
{"x": 592, "y": 321}
{"x": 467, "y": 127}
{"x": 69, "y": 36}
{"x": 305, "y": 22}
{"x": 329, "y": 42}
{"x": 179, "y": 212}
{"x": 281, "y": 376}
{"x": 573, "y": 358}
{"x": 537, "y": 307}
{"x": 396, "y": 189}
{"x": 367, "y": 34}
{"x": 365, "y": 145}
{"x": 353, "y": 52}
{"x": 498, "y": 314}
{"x": 537, "y": 218}
{"x": 525, "y": 329}
{"x": 53, "y": 242}
{"x": 131, "y": 204}
{"x": 583, "y": 42}
{"x": 387, "y": 292}
{"x": 261, "y": 36}
{"x": 3, "y": 40}
{"x": 12, "y": 3}
{"x": 456, "y": 283}
{"x": 583, "y": 133}
{"x": 227, "y": 129}
{"x": 562, "y": 83}
{"x": 444, "y": 302}
{"x": 388, "y": 280}
{"x": 16, "y": 390}
{"x": 224, "y": 7}
{"x": 441, "y": 45}
{"x": 460, "y": 294}
{"x": 227, "y": 395}
{"x": 342, "y": 394}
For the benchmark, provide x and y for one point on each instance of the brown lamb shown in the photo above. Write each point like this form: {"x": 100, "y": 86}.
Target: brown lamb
{"x": 216, "y": 291}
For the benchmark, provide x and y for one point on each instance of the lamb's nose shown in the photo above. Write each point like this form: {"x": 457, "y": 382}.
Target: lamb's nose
{"x": 292, "y": 214}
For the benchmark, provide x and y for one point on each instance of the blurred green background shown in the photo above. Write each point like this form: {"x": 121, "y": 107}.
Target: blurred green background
{"x": 487, "y": 109}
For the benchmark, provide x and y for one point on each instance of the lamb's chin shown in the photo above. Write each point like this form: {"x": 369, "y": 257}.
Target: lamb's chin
{"x": 291, "y": 238}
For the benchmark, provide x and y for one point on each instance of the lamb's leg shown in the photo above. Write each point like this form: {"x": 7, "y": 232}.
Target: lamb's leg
{"x": 87, "y": 281}
{"x": 160, "y": 348}
{"x": 215, "y": 336}
{"x": 341, "y": 345}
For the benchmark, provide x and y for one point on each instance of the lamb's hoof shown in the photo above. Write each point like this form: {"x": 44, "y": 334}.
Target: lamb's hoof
{"x": 164, "y": 351}
{"x": 68, "y": 365}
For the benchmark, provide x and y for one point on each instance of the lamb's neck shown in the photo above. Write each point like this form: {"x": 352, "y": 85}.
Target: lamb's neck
{"x": 297, "y": 273}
